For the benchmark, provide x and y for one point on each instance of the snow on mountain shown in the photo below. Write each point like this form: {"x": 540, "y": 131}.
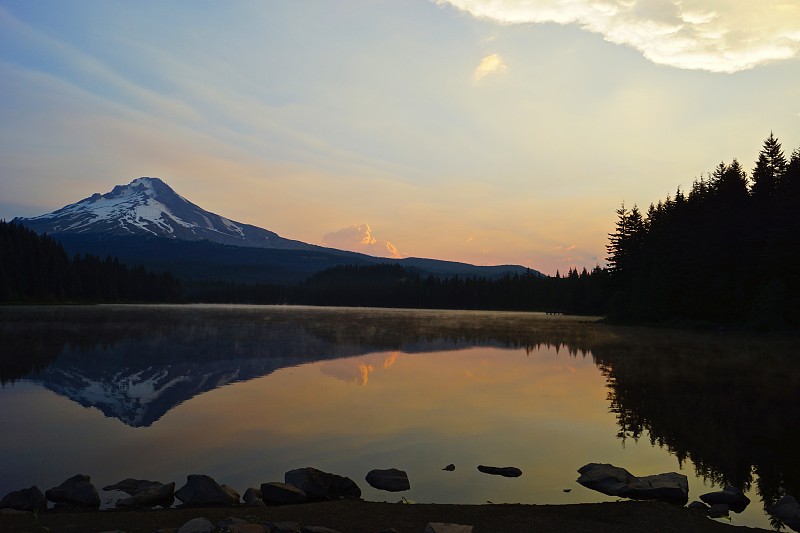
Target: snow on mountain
{"x": 148, "y": 206}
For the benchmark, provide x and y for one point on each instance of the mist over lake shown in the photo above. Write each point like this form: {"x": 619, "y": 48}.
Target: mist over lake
{"x": 246, "y": 393}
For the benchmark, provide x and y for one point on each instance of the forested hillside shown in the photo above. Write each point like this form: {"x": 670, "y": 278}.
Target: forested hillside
{"x": 36, "y": 269}
{"x": 726, "y": 252}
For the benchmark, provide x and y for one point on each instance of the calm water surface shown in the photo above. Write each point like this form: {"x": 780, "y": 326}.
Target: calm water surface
{"x": 246, "y": 393}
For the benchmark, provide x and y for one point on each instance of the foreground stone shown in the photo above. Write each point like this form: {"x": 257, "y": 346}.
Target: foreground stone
{"x": 505, "y": 471}
{"x": 440, "y": 527}
{"x": 615, "y": 481}
{"x": 76, "y": 491}
{"x": 730, "y": 496}
{"x": 319, "y": 485}
{"x": 392, "y": 480}
{"x": 144, "y": 493}
{"x": 203, "y": 491}
{"x": 787, "y": 510}
{"x": 30, "y": 499}
{"x": 197, "y": 525}
{"x": 277, "y": 493}
{"x": 252, "y": 497}
{"x": 718, "y": 510}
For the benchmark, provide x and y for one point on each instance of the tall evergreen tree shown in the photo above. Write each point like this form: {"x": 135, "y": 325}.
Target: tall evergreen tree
{"x": 770, "y": 169}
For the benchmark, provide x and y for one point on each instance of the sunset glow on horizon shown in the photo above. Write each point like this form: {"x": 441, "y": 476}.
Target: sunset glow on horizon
{"x": 486, "y": 132}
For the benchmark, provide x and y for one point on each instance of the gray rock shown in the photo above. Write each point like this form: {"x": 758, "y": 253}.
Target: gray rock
{"x": 450, "y": 467}
{"x": 277, "y": 493}
{"x": 718, "y": 510}
{"x": 283, "y": 527}
{"x": 30, "y": 499}
{"x": 698, "y": 506}
{"x": 76, "y": 491}
{"x": 229, "y": 522}
{"x": 132, "y": 486}
{"x": 201, "y": 490}
{"x": 440, "y": 527}
{"x": 392, "y": 480}
{"x": 252, "y": 497}
{"x": 505, "y": 471}
{"x": 787, "y": 510}
{"x": 733, "y": 497}
{"x": 615, "y": 481}
{"x": 197, "y": 525}
{"x": 150, "y": 496}
{"x": 319, "y": 485}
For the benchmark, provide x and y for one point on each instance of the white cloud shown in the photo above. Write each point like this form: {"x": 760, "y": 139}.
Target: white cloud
{"x": 712, "y": 35}
{"x": 358, "y": 238}
{"x": 490, "y": 64}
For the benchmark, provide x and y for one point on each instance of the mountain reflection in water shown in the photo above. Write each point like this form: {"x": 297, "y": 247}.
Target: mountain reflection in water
{"x": 728, "y": 403}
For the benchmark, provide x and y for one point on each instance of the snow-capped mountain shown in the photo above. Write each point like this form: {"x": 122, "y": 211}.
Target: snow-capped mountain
{"x": 149, "y": 207}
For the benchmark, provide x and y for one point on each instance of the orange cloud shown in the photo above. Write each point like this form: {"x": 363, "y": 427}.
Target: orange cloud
{"x": 359, "y": 238}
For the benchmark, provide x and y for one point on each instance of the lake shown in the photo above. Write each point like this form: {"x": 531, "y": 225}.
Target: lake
{"x": 245, "y": 393}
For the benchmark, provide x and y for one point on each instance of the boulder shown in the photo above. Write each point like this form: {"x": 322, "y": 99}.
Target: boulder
{"x": 450, "y": 467}
{"x": 698, "y": 506}
{"x": 252, "y": 497}
{"x": 440, "y": 527}
{"x": 615, "y": 481}
{"x": 144, "y": 493}
{"x": 277, "y": 493}
{"x": 76, "y": 491}
{"x": 731, "y": 496}
{"x": 319, "y": 485}
{"x": 787, "y": 510}
{"x": 392, "y": 480}
{"x": 30, "y": 499}
{"x": 505, "y": 471}
{"x": 201, "y": 491}
{"x": 719, "y": 510}
{"x": 197, "y": 525}
{"x": 283, "y": 527}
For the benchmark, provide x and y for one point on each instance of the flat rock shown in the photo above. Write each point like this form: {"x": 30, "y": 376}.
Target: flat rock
{"x": 277, "y": 493}
{"x": 441, "y": 527}
{"x": 698, "y": 506}
{"x": 392, "y": 480}
{"x": 132, "y": 486}
{"x": 76, "y": 491}
{"x": 318, "y": 529}
{"x": 197, "y": 525}
{"x": 201, "y": 491}
{"x": 319, "y": 485}
{"x": 718, "y": 510}
{"x": 505, "y": 471}
{"x": 151, "y": 496}
{"x": 787, "y": 510}
{"x": 731, "y": 496}
{"x": 615, "y": 481}
{"x": 284, "y": 527}
{"x": 30, "y": 499}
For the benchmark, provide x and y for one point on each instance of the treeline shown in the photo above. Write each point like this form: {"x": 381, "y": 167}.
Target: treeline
{"x": 35, "y": 269}
{"x": 392, "y": 285}
{"x": 728, "y": 252}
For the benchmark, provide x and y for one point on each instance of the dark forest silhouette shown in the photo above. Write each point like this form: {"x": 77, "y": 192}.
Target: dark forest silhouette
{"x": 36, "y": 269}
{"x": 728, "y": 252}
{"x": 725, "y": 253}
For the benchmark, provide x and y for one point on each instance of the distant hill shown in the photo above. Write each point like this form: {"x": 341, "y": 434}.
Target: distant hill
{"x": 146, "y": 222}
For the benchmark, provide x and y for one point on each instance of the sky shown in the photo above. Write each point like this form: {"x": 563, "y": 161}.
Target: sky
{"x": 482, "y": 131}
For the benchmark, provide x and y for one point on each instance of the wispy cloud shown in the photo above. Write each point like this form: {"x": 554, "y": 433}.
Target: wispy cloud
{"x": 712, "y": 35}
{"x": 359, "y": 238}
{"x": 491, "y": 64}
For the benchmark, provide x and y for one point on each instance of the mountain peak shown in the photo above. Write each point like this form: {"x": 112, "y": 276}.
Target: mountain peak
{"x": 147, "y": 206}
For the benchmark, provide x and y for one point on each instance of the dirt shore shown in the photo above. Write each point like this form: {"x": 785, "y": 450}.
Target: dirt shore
{"x": 356, "y": 516}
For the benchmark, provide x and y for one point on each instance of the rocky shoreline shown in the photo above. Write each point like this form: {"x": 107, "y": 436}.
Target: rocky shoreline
{"x": 308, "y": 494}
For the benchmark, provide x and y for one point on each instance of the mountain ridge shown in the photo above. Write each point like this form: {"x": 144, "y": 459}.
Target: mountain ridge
{"x": 146, "y": 222}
